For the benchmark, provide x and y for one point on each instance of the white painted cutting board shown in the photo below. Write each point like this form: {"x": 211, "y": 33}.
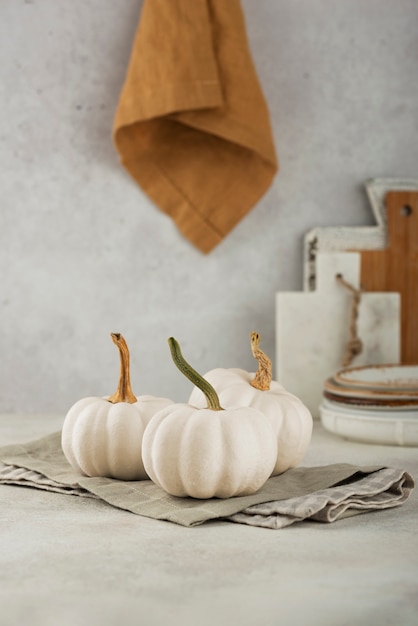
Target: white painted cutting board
{"x": 312, "y": 328}
{"x": 345, "y": 238}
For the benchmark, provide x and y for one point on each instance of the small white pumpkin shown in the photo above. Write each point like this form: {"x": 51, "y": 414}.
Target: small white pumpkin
{"x": 290, "y": 418}
{"x": 209, "y": 452}
{"x": 103, "y": 436}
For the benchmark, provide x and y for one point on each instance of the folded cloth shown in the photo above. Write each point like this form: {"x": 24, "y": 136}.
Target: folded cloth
{"x": 382, "y": 489}
{"x": 324, "y": 493}
{"x": 192, "y": 126}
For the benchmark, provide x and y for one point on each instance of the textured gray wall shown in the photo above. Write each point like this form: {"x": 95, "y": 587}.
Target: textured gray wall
{"x": 83, "y": 252}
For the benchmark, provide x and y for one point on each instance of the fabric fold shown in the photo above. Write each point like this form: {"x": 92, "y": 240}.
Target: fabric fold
{"x": 324, "y": 493}
{"x": 386, "y": 488}
{"x": 192, "y": 125}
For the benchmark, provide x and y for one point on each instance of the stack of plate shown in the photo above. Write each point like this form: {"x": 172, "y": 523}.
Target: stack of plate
{"x": 377, "y": 404}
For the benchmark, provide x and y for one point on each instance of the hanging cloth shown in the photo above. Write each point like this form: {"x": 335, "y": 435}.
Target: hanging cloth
{"x": 192, "y": 126}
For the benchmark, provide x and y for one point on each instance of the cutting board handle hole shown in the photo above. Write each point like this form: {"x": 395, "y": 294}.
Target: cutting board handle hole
{"x": 406, "y": 210}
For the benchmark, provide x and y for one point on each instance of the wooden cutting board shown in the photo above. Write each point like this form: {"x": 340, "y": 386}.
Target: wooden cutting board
{"x": 349, "y": 238}
{"x": 395, "y": 268}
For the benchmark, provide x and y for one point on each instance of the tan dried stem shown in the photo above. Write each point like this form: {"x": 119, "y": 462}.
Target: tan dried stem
{"x": 263, "y": 375}
{"x": 124, "y": 391}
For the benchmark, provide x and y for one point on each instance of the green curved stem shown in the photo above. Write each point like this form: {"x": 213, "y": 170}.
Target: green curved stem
{"x": 190, "y": 373}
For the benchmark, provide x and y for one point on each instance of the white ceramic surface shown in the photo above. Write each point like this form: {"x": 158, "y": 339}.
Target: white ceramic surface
{"x": 379, "y": 427}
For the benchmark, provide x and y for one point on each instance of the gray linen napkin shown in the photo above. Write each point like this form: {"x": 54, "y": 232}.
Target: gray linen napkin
{"x": 324, "y": 493}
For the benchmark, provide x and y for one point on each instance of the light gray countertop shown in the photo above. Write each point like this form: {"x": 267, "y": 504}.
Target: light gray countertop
{"x": 76, "y": 561}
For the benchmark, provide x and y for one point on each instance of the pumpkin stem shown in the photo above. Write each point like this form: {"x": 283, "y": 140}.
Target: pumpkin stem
{"x": 263, "y": 376}
{"x": 124, "y": 391}
{"x": 198, "y": 380}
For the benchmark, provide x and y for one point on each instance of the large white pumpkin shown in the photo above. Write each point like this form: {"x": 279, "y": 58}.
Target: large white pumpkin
{"x": 208, "y": 452}
{"x": 205, "y": 453}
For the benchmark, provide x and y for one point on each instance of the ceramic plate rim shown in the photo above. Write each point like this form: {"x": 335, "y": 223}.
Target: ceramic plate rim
{"x": 361, "y": 411}
{"x": 378, "y": 384}
{"x": 345, "y": 391}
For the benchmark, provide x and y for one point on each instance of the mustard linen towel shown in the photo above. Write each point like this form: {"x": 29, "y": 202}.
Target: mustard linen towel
{"x": 192, "y": 126}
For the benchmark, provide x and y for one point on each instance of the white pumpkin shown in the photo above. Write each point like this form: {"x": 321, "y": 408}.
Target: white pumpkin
{"x": 208, "y": 452}
{"x": 290, "y": 418}
{"x": 103, "y": 436}
{"x": 204, "y": 453}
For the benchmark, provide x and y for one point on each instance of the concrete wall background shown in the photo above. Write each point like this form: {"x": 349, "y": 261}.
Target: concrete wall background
{"x": 83, "y": 252}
